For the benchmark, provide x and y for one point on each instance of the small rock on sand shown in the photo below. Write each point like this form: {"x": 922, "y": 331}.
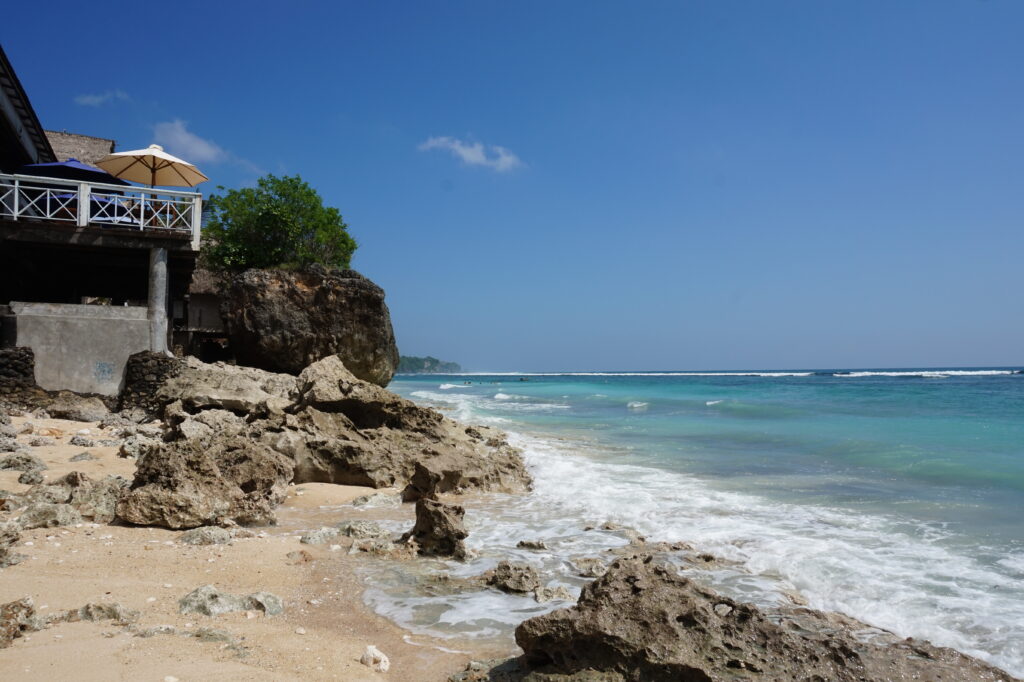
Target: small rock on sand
{"x": 319, "y": 536}
{"x": 206, "y": 535}
{"x": 375, "y": 659}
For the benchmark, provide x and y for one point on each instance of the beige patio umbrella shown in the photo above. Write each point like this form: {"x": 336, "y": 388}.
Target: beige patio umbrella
{"x": 152, "y": 166}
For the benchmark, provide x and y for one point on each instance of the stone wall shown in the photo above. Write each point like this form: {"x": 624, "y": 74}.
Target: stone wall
{"x": 144, "y": 373}
{"x": 17, "y": 369}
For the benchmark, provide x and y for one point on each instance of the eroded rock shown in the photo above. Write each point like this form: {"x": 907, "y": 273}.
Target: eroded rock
{"x": 440, "y": 530}
{"x": 43, "y": 515}
{"x": 187, "y": 484}
{"x": 206, "y": 535}
{"x": 513, "y": 577}
{"x": 644, "y": 621}
{"x": 16, "y": 618}
{"x": 21, "y": 461}
{"x": 209, "y": 601}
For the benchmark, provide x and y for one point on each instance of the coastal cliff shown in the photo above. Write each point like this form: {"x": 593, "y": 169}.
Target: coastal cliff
{"x": 282, "y": 321}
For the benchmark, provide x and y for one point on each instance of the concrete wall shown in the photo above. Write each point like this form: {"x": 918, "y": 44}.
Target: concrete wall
{"x": 81, "y": 348}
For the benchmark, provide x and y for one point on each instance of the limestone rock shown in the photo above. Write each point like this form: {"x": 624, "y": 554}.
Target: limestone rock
{"x": 209, "y": 601}
{"x": 42, "y": 515}
{"x": 31, "y": 477}
{"x": 16, "y": 618}
{"x": 241, "y": 390}
{"x": 78, "y": 408}
{"x": 85, "y": 456}
{"x": 10, "y": 533}
{"x": 284, "y": 321}
{"x": 558, "y": 593}
{"x": 589, "y": 567}
{"x": 532, "y": 544}
{"x": 644, "y": 621}
{"x": 21, "y": 462}
{"x": 42, "y": 441}
{"x": 513, "y": 577}
{"x": 9, "y": 444}
{"x": 319, "y": 536}
{"x": 362, "y": 530}
{"x": 135, "y": 447}
{"x": 375, "y": 659}
{"x": 101, "y": 611}
{"x": 439, "y": 529}
{"x": 206, "y": 535}
{"x": 81, "y": 441}
{"x": 186, "y": 484}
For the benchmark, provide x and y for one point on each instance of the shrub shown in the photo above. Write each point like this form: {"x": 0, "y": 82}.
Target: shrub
{"x": 280, "y": 223}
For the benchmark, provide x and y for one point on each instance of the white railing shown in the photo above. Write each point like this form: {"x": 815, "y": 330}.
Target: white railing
{"x": 27, "y": 197}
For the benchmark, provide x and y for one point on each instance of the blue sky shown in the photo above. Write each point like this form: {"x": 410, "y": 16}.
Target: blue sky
{"x": 604, "y": 185}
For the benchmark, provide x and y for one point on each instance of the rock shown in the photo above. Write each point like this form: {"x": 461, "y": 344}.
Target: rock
{"x": 78, "y": 408}
{"x": 21, "y": 462}
{"x": 136, "y": 446}
{"x": 206, "y": 535}
{"x": 375, "y": 659}
{"x": 209, "y": 601}
{"x": 513, "y": 577}
{"x": 589, "y": 567}
{"x": 8, "y": 444}
{"x": 283, "y": 321}
{"x": 83, "y": 457}
{"x": 558, "y": 593}
{"x": 644, "y": 621}
{"x": 185, "y": 484}
{"x": 240, "y": 390}
{"x": 10, "y": 534}
{"x": 32, "y": 477}
{"x": 101, "y": 611}
{"x": 118, "y": 423}
{"x": 531, "y": 544}
{"x": 5, "y": 419}
{"x": 82, "y": 442}
{"x": 213, "y": 635}
{"x": 377, "y": 500}
{"x": 16, "y": 618}
{"x": 362, "y": 530}
{"x": 8, "y": 432}
{"x": 439, "y": 530}
{"x": 299, "y": 556}
{"x": 97, "y": 500}
{"x": 26, "y": 428}
{"x": 42, "y": 441}
{"x": 319, "y": 536}
{"x": 43, "y": 515}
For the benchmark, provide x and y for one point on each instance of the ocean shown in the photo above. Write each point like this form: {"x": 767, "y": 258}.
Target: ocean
{"x": 893, "y": 496}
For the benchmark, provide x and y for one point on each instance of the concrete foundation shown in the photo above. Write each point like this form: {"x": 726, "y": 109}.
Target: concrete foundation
{"x": 82, "y": 348}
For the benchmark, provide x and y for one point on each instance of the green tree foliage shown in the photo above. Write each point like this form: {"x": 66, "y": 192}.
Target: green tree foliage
{"x": 280, "y": 223}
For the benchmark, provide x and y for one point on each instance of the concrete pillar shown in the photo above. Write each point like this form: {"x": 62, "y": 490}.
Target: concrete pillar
{"x": 158, "y": 299}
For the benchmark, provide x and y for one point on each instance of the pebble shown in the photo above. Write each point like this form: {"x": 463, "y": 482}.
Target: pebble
{"x": 170, "y": 678}
{"x": 300, "y": 631}
{"x": 335, "y": 548}
{"x": 151, "y": 599}
{"x": 375, "y": 659}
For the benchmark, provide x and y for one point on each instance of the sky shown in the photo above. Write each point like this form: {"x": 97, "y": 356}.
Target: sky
{"x": 592, "y": 185}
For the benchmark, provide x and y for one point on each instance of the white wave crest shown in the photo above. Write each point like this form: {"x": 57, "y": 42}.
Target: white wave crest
{"x": 930, "y": 373}
{"x": 637, "y": 405}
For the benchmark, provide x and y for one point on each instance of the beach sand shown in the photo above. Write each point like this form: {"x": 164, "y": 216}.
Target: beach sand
{"x": 322, "y": 633}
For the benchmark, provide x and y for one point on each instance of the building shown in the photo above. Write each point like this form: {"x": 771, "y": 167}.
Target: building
{"x": 90, "y": 273}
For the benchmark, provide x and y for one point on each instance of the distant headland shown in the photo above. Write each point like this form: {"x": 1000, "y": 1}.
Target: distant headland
{"x": 410, "y": 364}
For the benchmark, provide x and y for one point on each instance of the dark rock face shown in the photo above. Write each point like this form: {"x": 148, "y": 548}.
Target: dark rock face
{"x": 643, "y": 621}
{"x": 18, "y": 376}
{"x": 439, "y": 529}
{"x": 283, "y": 321}
{"x": 16, "y": 618}
{"x": 144, "y": 374}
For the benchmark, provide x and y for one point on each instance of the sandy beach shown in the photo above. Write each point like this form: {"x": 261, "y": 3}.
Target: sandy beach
{"x": 321, "y": 634}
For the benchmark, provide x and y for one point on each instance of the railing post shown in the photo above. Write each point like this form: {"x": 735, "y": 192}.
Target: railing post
{"x": 142, "y": 210}
{"x": 197, "y": 217}
{"x": 83, "y": 204}
{"x": 17, "y": 197}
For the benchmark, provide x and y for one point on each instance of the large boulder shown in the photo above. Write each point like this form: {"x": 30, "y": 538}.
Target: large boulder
{"x": 283, "y": 321}
{"x": 191, "y": 483}
{"x": 644, "y": 621}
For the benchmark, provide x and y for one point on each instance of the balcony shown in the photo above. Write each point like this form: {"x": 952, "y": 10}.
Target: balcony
{"x": 88, "y": 204}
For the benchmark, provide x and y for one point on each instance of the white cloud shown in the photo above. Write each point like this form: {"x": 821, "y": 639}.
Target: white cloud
{"x": 101, "y": 98}
{"x": 492, "y": 156}
{"x": 177, "y": 139}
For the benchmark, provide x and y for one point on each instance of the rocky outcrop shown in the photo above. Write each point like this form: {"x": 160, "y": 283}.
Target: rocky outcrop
{"x": 237, "y": 435}
{"x": 192, "y": 483}
{"x": 439, "y": 530}
{"x": 513, "y": 577}
{"x": 644, "y": 621}
{"x": 283, "y": 321}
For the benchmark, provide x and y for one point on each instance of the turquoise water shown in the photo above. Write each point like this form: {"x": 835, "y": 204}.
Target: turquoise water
{"x": 896, "y": 496}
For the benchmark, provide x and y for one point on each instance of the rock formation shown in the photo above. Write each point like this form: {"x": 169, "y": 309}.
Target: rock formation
{"x": 644, "y": 621}
{"x": 236, "y": 436}
{"x": 439, "y": 529}
{"x": 283, "y": 321}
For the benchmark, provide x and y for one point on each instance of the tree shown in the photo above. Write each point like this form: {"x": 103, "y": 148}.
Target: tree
{"x": 280, "y": 223}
